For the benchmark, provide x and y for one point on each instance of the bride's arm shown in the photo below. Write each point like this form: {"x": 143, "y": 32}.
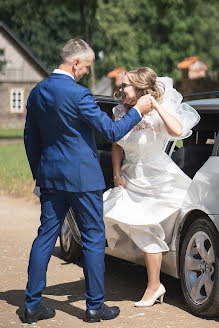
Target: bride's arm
{"x": 117, "y": 154}
{"x": 174, "y": 127}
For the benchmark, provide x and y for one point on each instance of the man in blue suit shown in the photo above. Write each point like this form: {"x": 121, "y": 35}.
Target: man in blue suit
{"x": 59, "y": 140}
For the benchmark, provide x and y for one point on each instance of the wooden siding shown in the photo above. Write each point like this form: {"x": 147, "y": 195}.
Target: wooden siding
{"x": 7, "y": 118}
{"x": 19, "y": 72}
{"x": 18, "y": 66}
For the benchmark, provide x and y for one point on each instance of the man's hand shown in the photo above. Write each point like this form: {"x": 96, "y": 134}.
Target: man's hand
{"x": 144, "y": 104}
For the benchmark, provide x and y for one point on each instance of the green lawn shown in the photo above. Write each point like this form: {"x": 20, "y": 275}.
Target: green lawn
{"x": 15, "y": 174}
{"x": 11, "y": 133}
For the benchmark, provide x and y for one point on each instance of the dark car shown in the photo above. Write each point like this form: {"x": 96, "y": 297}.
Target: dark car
{"x": 194, "y": 248}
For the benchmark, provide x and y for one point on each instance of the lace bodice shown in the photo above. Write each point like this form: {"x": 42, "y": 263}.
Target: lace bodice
{"x": 146, "y": 140}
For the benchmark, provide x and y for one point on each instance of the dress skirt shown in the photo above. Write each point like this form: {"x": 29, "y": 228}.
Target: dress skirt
{"x": 147, "y": 209}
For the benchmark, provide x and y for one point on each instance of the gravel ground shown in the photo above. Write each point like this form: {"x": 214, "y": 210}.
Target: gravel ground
{"x": 19, "y": 219}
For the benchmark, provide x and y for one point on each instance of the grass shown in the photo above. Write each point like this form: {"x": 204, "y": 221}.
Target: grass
{"x": 11, "y": 133}
{"x": 179, "y": 143}
{"x": 15, "y": 174}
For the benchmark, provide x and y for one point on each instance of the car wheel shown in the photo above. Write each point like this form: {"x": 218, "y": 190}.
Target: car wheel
{"x": 70, "y": 238}
{"x": 199, "y": 268}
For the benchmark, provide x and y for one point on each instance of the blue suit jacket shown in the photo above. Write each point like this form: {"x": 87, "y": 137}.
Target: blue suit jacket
{"x": 59, "y": 134}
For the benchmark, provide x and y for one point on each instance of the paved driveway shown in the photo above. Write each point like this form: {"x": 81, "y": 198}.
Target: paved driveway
{"x": 19, "y": 219}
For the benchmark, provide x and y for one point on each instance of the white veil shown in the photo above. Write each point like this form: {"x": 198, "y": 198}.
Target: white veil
{"x": 172, "y": 102}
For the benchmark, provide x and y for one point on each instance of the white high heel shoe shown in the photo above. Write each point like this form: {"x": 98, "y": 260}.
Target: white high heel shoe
{"x": 159, "y": 295}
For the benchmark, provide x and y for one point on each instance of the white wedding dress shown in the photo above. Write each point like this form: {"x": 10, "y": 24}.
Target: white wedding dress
{"x": 146, "y": 210}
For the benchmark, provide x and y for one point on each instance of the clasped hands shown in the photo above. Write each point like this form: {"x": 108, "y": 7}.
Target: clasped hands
{"x": 146, "y": 103}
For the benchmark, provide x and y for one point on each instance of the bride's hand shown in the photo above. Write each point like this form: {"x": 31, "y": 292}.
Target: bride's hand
{"x": 154, "y": 102}
{"x": 118, "y": 181}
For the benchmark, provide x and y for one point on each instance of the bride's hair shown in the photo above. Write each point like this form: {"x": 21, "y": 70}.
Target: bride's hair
{"x": 144, "y": 80}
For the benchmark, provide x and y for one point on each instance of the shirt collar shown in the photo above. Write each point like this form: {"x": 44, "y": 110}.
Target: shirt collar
{"x": 60, "y": 71}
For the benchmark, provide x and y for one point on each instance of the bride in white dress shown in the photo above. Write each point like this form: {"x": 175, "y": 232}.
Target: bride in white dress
{"x": 149, "y": 186}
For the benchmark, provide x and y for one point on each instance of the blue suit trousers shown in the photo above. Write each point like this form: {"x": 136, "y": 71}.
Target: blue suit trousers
{"x": 88, "y": 210}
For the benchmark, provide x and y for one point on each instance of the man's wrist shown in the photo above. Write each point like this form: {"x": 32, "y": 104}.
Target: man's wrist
{"x": 138, "y": 110}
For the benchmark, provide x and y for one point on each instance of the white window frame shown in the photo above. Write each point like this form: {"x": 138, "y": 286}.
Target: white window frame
{"x": 17, "y": 100}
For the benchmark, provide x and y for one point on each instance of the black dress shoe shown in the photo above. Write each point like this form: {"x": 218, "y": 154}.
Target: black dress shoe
{"x": 33, "y": 315}
{"x": 103, "y": 313}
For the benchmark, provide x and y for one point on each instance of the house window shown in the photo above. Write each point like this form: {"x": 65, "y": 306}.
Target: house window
{"x": 2, "y": 59}
{"x": 17, "y": 100}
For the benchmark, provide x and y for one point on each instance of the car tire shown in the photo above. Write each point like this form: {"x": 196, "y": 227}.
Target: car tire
{"x": 199, "y": 268}
{"x": 70, "y": 238}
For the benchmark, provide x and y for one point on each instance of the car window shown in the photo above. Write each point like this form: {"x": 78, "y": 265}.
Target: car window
{"x": 102, "y": 143}
{"x": 191, "y": 153}
{"x": 106, "y": 107}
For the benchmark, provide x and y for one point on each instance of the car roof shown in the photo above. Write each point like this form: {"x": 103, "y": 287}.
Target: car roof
{"x": 106, "y": 99}
{"x": 210, "y": 105}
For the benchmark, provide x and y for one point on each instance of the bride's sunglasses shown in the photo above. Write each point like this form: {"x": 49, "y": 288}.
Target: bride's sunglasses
{"x": 124, "y": 85}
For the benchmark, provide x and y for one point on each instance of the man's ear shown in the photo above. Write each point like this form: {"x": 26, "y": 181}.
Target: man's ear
{"x": 75, "y": 63}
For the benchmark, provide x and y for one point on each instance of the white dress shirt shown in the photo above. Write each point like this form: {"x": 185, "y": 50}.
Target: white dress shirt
{"x": 60, "y": 71}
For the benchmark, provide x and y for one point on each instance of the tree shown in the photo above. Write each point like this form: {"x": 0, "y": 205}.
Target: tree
{"x": 44, "y": 26}
{"x": 157, "y": 33}
{"x": 206, "y": 33}
{"x": 115, "y": 35}
{"x": 88, "y": 23}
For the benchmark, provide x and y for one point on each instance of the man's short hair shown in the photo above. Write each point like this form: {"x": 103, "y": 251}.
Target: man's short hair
{"x": 75, "y": 48}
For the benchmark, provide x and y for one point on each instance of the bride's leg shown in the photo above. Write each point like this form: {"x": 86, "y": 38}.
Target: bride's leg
{"x": 153, "y": 265}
